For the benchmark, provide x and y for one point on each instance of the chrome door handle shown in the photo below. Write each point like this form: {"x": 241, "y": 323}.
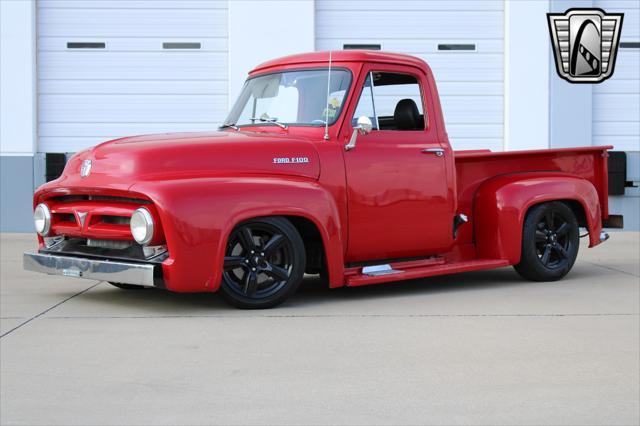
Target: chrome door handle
{"x": 439, "y": 152}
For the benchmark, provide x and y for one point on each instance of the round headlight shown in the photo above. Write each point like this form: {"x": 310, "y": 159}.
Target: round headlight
{"x": 142, "y": 226}
{"x": 42, "y": 219}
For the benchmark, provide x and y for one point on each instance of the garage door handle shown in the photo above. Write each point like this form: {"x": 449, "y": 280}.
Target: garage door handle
{"x": 439, "y": 152}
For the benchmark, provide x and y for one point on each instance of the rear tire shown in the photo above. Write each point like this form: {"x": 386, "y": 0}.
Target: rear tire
{"x": 264, "y": 263}
{"x": 550, "y": 242}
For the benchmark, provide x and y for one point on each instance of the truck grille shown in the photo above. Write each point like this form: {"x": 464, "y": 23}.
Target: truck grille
{"x": 97, "y": 218}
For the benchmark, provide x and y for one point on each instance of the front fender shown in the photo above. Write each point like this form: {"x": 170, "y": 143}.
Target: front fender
{"x": 501, "y": 204}
{"x": 199, "y": 214}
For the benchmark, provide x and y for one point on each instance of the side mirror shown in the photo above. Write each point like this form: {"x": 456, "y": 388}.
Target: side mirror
{"x": 363, "y": 127}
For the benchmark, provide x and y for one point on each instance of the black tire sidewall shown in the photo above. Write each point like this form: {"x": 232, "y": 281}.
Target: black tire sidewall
{"x": 530, "y": 266}
{"x": 298, "y": 262}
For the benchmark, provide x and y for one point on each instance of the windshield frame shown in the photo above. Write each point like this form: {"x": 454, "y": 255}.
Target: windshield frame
{"x": 297, "y": 69}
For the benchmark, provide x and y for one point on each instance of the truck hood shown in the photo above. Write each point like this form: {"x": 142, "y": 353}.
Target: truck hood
{"x": 183, "y": 155}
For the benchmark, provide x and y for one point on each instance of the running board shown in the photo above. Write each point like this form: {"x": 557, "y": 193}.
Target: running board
{"x": 416, "y": 269}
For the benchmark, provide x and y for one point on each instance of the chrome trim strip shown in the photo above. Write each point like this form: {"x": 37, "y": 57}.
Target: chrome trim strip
{"x": 102, "y": 270}
{"x": 375, "y": 270}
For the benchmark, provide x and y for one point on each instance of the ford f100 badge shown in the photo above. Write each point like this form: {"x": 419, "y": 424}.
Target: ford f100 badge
{"x": 290, "y": 160}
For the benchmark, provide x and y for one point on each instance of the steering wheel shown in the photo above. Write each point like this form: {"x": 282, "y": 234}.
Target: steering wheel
{"x": 319, "y": 122}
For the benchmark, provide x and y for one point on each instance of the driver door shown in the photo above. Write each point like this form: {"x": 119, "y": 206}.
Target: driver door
{"x": 399, "y": 203}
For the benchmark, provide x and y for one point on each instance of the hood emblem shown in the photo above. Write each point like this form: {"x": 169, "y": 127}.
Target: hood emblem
{"x": 85, "y": 169}
{"x": 81, "y": 217}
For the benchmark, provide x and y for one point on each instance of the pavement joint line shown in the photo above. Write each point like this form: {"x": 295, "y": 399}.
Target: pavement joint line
{"x": 341, "y": 316}
{"x": 47, "y": 310}
{"x": 611, "y": 269}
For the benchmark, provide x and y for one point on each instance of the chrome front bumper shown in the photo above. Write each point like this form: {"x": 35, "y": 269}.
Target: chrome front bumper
{"x": 102, "y": 270}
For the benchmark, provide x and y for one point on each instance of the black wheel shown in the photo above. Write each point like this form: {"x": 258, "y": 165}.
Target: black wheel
{"x": 550, "y": 242}
{"x": 128, "y": 286}
{"x": 264, "y": 263}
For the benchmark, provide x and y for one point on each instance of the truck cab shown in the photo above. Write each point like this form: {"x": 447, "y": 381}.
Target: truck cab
{"x": 336, "y": 163}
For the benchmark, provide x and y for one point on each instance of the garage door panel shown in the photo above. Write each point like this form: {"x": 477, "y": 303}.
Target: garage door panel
{"x": 129, "y": 65}
{"x": 472, "y": 109}
{"x": 114, "y": 130}
{"x": 465, "y": 67}
{"x": 616, "y": 107}
{"x": 70, "y": 144}
{"x": 133, "y": 87}
{"x": 110, "y": 23}
{"x": 620, "y": 143}
{"x": 409, "y": 5}
{"x": 470, "y": 88}
{"x": 616, "y": 85}
{"x": 616, "y": 128}
{"x": 461, "y": 144}
{"x": 131, "y": 108}
{"x": 627, "y": 64}
{"x": 418, "y": 46}
{"x": 470, "y": 82}
{"x": 139, "y": 44}
{"x": 133, "y": 4}
{"x": 422, "y": 24}
{"x": 616, "y": 102}
{"x": 630, "y": 24}
{"x": 477, "y": 131}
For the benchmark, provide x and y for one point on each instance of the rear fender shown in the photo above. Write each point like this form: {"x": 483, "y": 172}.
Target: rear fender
{"x": 199, "y": 214}
{"x": 501, "y": 205}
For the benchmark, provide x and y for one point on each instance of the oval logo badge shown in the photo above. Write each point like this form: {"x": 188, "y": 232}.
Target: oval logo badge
{"x": 85, "y": 170}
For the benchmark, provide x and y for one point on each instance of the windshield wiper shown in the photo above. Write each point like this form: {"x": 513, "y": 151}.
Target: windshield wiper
{"x": 269, "y": 120}
{"x": 229, "y": 125}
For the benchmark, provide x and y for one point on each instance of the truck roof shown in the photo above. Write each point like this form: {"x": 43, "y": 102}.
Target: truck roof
{"x": 343, "y": 56}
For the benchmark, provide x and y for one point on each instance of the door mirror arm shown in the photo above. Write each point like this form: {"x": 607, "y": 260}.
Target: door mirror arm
{"x": 363, "y": 127}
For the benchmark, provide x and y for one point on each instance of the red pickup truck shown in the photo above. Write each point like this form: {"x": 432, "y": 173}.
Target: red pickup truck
{"x": 335, "y": 163}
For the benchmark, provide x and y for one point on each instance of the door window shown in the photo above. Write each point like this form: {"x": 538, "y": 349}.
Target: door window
{"x": 392, "y": 102}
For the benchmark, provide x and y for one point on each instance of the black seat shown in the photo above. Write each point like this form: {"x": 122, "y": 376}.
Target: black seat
{"x": 406, "y": 115}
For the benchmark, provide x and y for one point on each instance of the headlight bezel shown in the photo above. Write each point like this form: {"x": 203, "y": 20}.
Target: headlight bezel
{"x": 46, "y": 219}
{"x": 147, "y": 222}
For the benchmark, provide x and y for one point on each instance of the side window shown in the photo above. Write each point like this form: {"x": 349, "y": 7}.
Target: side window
{"x": 393, "y": 103}
{"x": 365, "y": 104}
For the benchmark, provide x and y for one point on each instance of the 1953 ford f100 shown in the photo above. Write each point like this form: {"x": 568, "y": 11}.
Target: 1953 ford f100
{"x": 335, "y": 163}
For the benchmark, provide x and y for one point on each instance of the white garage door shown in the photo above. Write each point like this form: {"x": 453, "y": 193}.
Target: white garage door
{"x": 461, "y": 40}
{"x": 114, "y": 68}
{"x": 616, "y": 102}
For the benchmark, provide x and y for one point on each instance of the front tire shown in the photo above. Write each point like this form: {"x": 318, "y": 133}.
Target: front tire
{"x": 550, "y": 242}
{"x": 264, "y": 263}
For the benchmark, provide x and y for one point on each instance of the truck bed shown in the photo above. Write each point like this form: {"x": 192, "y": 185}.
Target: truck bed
{"x": 475, "y": 167}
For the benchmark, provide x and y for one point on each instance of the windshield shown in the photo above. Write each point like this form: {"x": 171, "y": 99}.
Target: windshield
{"x": 291, "y": 98}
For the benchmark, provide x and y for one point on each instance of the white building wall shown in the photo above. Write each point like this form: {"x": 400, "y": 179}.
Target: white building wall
{"x": 526, "y": 75}
{"x": 260, "y": 30}
{"x": 540, "y": 109}
{"x": 17, "y": 113}
{"x": 17, "y": 77}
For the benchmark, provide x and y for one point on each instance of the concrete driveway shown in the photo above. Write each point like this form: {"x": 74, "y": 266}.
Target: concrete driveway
{"x": 476, "y": 348}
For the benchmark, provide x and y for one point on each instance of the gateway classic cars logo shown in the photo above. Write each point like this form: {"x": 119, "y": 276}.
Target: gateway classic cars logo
{"x": 585, "y": 43}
